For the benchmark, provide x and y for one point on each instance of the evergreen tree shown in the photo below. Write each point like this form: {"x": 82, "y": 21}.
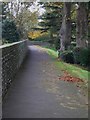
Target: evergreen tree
{"x": 51, "y": 20}
{"x": 9, "y": 31}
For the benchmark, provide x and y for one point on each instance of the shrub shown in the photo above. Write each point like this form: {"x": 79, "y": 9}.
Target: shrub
{"x": 57, "y": 43}
{"x": 9, "y": 31}
{"x": 84, "y": 57}
{"x": 81, "y": 56}
{"x": 76, "y": 54}
{"x": 67, "y": 56}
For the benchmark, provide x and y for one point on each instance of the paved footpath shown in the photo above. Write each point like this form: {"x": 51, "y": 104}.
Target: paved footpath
{"x": 38, "y": 93}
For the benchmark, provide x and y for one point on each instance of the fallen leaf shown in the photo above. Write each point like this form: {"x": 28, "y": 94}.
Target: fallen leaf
{"x": 68, "y": 77}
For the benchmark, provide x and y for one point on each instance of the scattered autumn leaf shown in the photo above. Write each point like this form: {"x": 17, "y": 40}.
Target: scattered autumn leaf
{"x": 69, "y": 78}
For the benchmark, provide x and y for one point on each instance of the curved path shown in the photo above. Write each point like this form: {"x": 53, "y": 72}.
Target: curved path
{"x": 37, "y": 92}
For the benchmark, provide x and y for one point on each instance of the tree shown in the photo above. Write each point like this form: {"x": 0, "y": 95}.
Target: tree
{"x": 82, "y": 24}
{"x": 65, "y": 31}
{"x": 51, "y": 20}
{"x": 23, "y": 17}
{"x": 9, "y": 31}
{"x": 5, "y": 12}
{"x": 19, "y": 12}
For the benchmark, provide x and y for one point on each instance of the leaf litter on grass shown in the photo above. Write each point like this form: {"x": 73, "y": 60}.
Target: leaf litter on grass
{"x": 67, "y": 77}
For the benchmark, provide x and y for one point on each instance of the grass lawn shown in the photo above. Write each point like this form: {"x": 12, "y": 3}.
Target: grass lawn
{"x": 72, "y": 69}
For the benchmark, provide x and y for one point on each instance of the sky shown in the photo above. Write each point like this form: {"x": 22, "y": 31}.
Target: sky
{"x": 36, "y": 7}
{"x": 33, "y": 8}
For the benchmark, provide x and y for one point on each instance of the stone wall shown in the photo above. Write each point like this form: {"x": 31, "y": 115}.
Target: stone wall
{"x": 12, "y": 58}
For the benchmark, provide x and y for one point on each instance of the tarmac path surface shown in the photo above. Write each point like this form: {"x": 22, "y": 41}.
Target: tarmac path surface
{"x": 37, "y": 92}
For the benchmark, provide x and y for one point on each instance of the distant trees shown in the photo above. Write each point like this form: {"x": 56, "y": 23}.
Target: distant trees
{"x": 9, "y": 30}
{"x": 5, "y": 10}
{"x": 63, "y": 21}
{"x": 51, "y": 21}
{"x": 24, "y": 18}
{"x": 18, "y": 15}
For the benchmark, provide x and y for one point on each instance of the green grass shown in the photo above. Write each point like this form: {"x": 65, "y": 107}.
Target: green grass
{"x": 72, "y": 69}
{"x": 52, "y": 52}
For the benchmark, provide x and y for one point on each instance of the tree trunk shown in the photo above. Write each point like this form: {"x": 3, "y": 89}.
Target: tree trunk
{"x": 81, "y": 25}
{"x": 65, "y": 31}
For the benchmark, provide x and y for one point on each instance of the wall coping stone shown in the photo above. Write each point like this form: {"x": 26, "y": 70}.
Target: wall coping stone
{"x": 11, "y": 44}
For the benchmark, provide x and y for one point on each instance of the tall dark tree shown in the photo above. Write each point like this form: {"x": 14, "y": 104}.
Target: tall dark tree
{"x": 82, "y": 24}
{"x": 65, "y": 31}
